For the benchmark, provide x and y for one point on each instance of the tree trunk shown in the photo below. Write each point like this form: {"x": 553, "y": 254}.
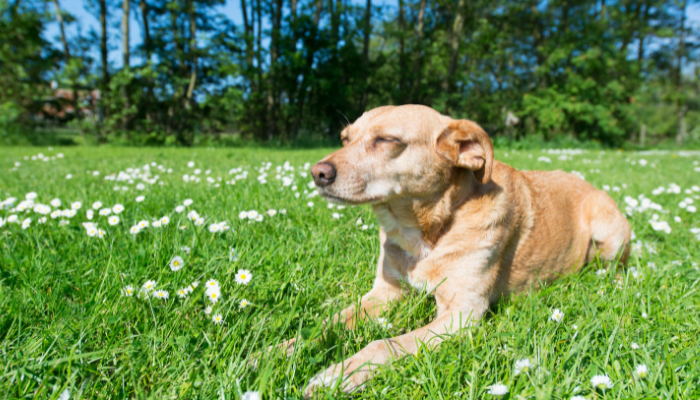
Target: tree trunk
{"x": 104, "y": 50}
{"x": 127, "y": 53}
{"x": 682, "y": 107}
{"x": 276, "y": 16}
{"x": 146, "y": 29}
{"x": 248, "y": 34}
{"x": 293, "y": 10}
{"x": 317, "y": 12}
{"x": 402, "y": 56}
{"x": 642, "y": 34}
{"x": 66, "y": 54}
{"x": 365, "y": 54}
{"x": 415, "y": 68}
{"x": 193, "y": 52}
{"x": 643, "y": 135}
{"x": 454, "y": 52}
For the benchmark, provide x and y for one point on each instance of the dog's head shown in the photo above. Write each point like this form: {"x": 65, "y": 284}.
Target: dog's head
{"x": 405, "y": 151}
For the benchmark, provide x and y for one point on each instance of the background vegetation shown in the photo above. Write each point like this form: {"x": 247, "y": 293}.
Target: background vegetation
{"x": 297, "y": 70}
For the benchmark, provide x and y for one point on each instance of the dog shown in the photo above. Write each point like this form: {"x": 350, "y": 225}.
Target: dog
{"x": 456, "y": 223}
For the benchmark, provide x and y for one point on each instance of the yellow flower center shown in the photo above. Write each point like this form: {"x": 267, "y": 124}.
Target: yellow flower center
{"x": 242, "y": 276}
{"x": 213, "y": 295}
{"x": 176, "y": 263}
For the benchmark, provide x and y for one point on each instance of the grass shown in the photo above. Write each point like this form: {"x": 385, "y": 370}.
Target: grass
{"x": 65, "y": 325}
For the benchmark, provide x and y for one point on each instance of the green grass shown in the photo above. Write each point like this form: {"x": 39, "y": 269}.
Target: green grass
{"x": 64, "y": 323}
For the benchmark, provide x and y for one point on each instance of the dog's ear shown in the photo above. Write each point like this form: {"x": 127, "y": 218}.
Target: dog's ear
{"x": 466, "y": 145}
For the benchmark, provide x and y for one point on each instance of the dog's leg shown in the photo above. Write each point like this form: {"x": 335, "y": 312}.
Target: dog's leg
{"x": 371, "y": 305}
{"x": 356, "y": 370}
{"x": 609, "y": 229}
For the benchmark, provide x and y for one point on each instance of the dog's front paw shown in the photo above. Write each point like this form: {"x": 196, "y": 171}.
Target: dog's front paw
{"x": 346, "y": 374}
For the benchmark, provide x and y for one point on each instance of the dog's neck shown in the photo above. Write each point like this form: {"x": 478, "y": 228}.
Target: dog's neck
{"x": 417, "y": 223}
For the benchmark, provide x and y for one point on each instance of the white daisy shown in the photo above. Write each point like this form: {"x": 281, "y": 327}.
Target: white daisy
{"x": 243, "y": 277}
{"x": 211, "y": 283}
{"x": 76, "y": 205}
{"x": 208, "y": 310}
{"x": 259, "y": 218}
{"x": 243, "y": 215}
{"x": 26, "y": 223}
{"x": 128, "y": 291}
{"x": 384, "y": 323}
{"x": 214, "y": 228}
{"x": 498, "y": 389}
{"x": 271, "y": 212}
{"x": 140, "y": 199}
{"x": 213, "y": 294}
{"x": 118, "y": 208}
{"x": 165, "y": 220}
{"x": 105, "y": 211}
{"x": 149, "y": 285}
{"x": 522, "y": 366}
{"x": 187, "y": 202}
{"x": 217, "y": 319}
{"x": 55, "y": 203}
{"x": 557, "y": 315}
{"x": 601, "y": 382}
{"x": 634, "y": 346}
{"x": 143, "y": 224}
{"x": 113, "y": 220}
{"x": 101, "y": 234}
{"x": 310, "y": 204}
{"x": 134, "y": 230}
{"x": 96, "y": 205}
{"x": 179, "y": 209}
{"x": 641, "y": 371}
{"x": 243, "y": 304}
{"x": 155, "y": 224}
{"x": 186, "y": 249}
{"x": 89, "y": 214}
{"x": 176, "y": 263}
{"x": 91, "y": 231}
{"x": 199, "y": 222}
{"x": 182, "y": 293}
{"x": 161, "y": 294}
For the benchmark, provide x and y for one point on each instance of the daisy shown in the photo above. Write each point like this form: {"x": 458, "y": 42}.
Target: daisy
{"x": 384, "y": 323}
{"x": 199, "y": 222}
{"x": 161, "y": 294}
{"x": 140, "y": 199}
{"x": 26, "y": 223}
{"x": 243, "y": 215}
{"x": 557, "y": 315}
{"x": 56, "y": 214}
{"x": 522, "y": 366}
{"x": 134, "y": 230}
{"x": 634, "y": 346}
{"x": 128, "y": 291}
{"x": 118, "y": 208}
{"x": 165, "y": 220}
{"x": 253, "y": 214}
{"x": 91, "y": 231}
{"x": 105, "y": 211}
{"x": 176, "y": 263}
{"x": 211, "y": 283}
{"x": 101, "y": 234}
{"x": 578, "y": 398}
{"x": 186, "y": 249}
{"x": 214, "y": 228}
{"x": 271, "y": 212}
{"x": 143, "y": 224}
{"x": 187, "y": 202}
{"x": 498, "y": 389}
{"x": 89, "y": 214}
{"x": 179, "y": 209}
{"x": 194, "y": 284}
{"x": 641, "y": 371}
{"x": 283, "y": 211}
{"x": 97, "y": 205}
{"x": 182, "y": 293}
{"x": 259, "y": 218}
{"x": 310, "y": 204}
{"x": 155, "y": 224}
{"x": 217, "y": 319}
{"x": 601, "y": 382}
{"x": 208, "y": 310}
{"x": 149, "y": 285}
{"x": 55, "y": 203}
{"x": 251, "y": 396}
{"x": 71, "y": 213}
{"x": 243, "y": 304}
{"x": 213, "y": 294}
{"x": 243, "y": 277}
{"x": 113, "y": 220}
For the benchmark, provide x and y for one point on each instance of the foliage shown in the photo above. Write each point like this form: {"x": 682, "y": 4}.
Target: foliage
{"x": 301, "y": 70}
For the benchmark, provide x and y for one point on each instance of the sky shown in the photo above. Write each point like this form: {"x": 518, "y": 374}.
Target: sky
{"x": 232, "y": 9}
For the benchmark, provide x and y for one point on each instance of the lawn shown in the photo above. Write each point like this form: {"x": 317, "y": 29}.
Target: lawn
{"x": 69, "y": 327}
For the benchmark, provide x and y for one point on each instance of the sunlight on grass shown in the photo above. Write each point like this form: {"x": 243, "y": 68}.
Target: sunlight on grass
{"x": 194, "y": 260}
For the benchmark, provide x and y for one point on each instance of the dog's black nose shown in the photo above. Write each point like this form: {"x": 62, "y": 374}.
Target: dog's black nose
{"x": 323, "y": 173}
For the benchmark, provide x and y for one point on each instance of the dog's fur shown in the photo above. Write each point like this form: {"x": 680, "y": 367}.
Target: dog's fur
{"x": 457, "y": 223}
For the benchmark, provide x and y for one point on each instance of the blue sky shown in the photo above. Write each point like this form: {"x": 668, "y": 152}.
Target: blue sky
{"x": 230, "y": 8}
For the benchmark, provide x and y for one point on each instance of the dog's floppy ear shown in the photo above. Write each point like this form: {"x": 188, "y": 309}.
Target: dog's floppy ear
{"x": 466, "y": 145}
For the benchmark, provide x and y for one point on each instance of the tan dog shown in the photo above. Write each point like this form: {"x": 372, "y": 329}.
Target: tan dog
{"x": 456, "y": 223}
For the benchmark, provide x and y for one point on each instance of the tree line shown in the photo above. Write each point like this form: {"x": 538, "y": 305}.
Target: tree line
{"x": 294, "y": 70}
